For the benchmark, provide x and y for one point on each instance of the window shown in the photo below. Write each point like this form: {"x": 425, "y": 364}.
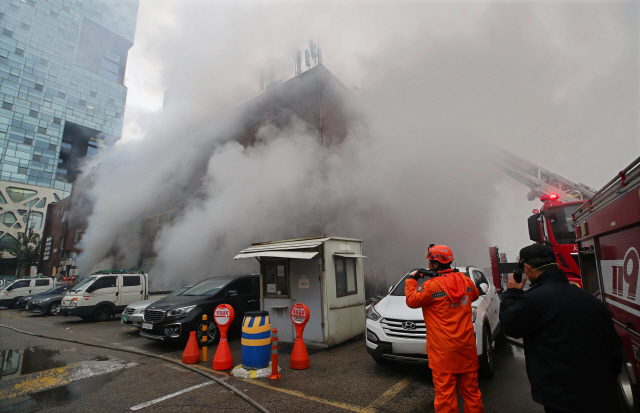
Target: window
{"x": 39, "y": 87}
{"x": 75, "y": 239}
{"x": 41, "y": 283}
{"x": 57, "y": 121}
{"x": 35, "y": 219}
{"x": 276, "y": 277}
{"x": 19, "y": 284}
{"x": 130, "y": 280}
{"x": 104, "y": 282}
{"x": 61, "y": 95}
{"x": 7, "y": 106}
{"x": 33, "y": 114}
{"x": 19, "y": 194}
{"x": 42, "y": 131}
{"x": 42, "y": 203}
{"x": 242, "y": 287}
{"x": 2, "y": 200}
{"x": 19, "y": 52}
{"x": 345, "y": 276}
{"x": 31, "y": 203}
{"x": 8, "y": 219}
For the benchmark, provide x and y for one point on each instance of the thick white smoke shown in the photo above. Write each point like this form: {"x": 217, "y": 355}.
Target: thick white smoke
{"x": 437, "y": 82}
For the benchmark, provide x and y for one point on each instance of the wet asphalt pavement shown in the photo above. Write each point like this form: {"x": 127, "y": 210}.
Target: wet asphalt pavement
{"x": 57, "y": 376}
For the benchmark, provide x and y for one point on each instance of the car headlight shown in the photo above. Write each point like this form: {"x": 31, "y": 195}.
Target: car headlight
{"x": 74, "y": 302}
{"x": 373, "y": 314}
{"x": 42, "y": 301}
{"x": 138, "y": 311}
{"x": 180, "y": 311}
{"x": 474, "y": 314}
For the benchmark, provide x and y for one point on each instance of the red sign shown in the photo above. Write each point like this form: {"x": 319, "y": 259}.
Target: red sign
{"x": 223, "y": 315}
{"x": 300, "y": 314}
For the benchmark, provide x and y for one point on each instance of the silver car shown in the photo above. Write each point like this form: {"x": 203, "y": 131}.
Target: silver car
{"x": 134, "y": 313}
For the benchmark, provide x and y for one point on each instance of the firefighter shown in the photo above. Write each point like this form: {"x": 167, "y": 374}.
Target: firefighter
{"x": 573, "y": 353}
{"x": 446, "y": 299}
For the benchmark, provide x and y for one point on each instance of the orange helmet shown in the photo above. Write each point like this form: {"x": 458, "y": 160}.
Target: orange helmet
{"x": 440, "y": 253}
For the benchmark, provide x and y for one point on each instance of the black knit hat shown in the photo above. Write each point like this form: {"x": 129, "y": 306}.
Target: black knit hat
{"x": 536, "y": 251}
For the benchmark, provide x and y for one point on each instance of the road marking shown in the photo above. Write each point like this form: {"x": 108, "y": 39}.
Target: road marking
{"x": 344, "y": 406}
{"x": 389, "y": 394}
{"x": 168, "y": 396}
{"x": 59, "y": 376}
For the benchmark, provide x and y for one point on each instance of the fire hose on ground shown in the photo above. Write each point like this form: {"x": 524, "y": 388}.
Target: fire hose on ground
{"x": 144, "y": 353}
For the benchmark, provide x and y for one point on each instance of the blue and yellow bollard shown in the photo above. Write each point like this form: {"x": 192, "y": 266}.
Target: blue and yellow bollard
{"x": 256, "y": 340}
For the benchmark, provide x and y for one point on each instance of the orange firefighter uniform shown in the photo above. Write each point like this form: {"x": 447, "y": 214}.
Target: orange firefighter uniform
{"x": 446, "y": 306}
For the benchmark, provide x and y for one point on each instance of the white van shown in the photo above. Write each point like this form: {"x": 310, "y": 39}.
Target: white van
{"x": 105, "y": 293}
{"x": 23, "y": 287}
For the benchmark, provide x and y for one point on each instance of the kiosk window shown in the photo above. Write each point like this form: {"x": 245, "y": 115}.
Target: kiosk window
{"x": 345, "y": 276}
{"x": 276, "y": 278}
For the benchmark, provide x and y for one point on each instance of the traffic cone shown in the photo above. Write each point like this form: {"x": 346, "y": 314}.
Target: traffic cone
{"x": 191, "y": 354}
{"x": 223, "y": 360}
{"x": 299, "y": 359}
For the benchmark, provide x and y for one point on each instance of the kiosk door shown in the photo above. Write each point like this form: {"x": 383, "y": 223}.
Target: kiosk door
{"x": 276, "y": 296}
{"x": 306, "y": 289}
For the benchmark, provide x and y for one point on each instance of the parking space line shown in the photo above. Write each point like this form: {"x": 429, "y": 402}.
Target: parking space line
{"x": 168, "y": 396}
{"x": 389, "y": 394}
{"x": 344, "y": 406}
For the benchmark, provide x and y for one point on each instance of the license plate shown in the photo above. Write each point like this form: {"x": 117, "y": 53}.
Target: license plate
{"x": 147, "y": 326}
{"x": 125, "y": 318}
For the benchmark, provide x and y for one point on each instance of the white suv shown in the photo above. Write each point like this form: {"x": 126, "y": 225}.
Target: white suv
{"x": 397, "y": 332}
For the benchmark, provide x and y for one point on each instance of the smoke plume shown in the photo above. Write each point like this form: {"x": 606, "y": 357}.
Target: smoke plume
{"x": 439, "y": 84}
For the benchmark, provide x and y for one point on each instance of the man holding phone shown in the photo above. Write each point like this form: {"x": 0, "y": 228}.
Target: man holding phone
{"x": 573, "y": 353}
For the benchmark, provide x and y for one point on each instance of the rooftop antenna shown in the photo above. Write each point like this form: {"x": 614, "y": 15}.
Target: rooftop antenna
{"x": 307, "y": 58}
{"x": 314, "y": 51}
{"x": 319, "y": 54}
{"x": 298, "y": 62}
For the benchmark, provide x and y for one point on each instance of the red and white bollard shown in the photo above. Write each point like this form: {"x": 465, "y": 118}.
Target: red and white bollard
{"x": 274, "y": 355}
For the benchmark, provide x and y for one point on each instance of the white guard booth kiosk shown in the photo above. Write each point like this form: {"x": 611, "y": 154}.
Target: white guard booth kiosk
{"x": 324, "y": 273}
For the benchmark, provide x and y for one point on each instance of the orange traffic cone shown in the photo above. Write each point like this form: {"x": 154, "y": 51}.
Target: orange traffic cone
{"x": 191, "y": 354}
{"x": 223, "y": 360}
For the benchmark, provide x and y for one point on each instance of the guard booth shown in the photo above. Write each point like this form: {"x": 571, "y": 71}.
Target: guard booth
{"x": 325, "y": 273}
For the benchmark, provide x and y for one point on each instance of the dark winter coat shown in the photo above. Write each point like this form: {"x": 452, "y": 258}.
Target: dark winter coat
{"x": 573, "y": 353}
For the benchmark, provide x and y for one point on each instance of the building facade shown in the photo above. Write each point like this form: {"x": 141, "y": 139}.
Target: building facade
{"x": 62, "y": 97}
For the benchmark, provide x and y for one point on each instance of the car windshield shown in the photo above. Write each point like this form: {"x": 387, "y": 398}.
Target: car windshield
{"x": 561, "y": 223}
{"x": 178, "y": 291}
{"x": 207, "y": 287}
{"x": 399, "y": 289}
{"x": 56, "y": 290}
{"x": 83, "y": 284}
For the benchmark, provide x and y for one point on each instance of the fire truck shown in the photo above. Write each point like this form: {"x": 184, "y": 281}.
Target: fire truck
{"x": 552, "y": 224}
{"x": 607, "y": 227}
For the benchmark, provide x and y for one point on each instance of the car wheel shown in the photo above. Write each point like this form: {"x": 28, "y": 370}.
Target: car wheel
{"x": 14, "y": 304}
{"x": 53, "y": 309}
{"x": 486, "y": 358}
{"x": 102, "y": 313}
{"x": 213, "y": 334}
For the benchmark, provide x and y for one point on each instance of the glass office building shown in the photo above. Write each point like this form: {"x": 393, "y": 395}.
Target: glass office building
{"x": 62, "y": 97}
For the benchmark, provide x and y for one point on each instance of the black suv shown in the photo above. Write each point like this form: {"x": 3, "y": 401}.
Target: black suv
{"x": 173, "y": 318}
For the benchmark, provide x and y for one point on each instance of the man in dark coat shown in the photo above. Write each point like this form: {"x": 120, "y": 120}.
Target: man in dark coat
{"x": 573, "y": 353}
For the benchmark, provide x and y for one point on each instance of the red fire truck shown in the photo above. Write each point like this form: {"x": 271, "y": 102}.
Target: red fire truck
{"x": 553, "y": 223}
{"x": 607, "y": 227}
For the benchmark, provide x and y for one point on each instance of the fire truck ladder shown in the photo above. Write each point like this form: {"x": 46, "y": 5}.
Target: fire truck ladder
{"x": 542, "y": 181}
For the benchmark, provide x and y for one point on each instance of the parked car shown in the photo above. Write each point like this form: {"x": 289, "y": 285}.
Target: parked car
{"x": 134, "y": 313}
{"x": 105, "y": 293}
{"x": 57, "y": 292}
{"x": 397, "y": 332}
{"x": 23, "y": 287}
{"x": 173, "y": 318}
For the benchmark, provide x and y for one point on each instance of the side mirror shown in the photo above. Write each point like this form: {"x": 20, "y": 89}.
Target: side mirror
{"x": 232, "y": 293}
{"x": 484, "y": 287}
{"x": 390, "y": 289}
